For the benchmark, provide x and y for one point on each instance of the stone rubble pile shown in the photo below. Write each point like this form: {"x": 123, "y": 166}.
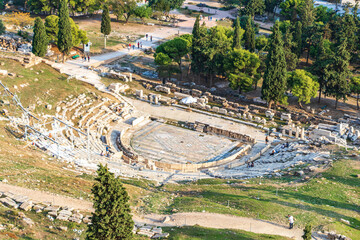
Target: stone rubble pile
{"x": 334, "y": 236}
{"x": 21, "y": 202}
{"x": 152, "y": 232}
{"x": 337, "y": 134}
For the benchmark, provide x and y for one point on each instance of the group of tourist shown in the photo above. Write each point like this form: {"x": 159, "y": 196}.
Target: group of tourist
{"x": 139, "y": 44}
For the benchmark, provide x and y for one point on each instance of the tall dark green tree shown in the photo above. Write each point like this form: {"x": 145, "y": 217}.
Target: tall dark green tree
{"x": 238, "y": 34}
{"x": 253, "y": 7}
{"x": 105, "y": 23}
{"x": 274, "y": 84}
{"x": 320, "y": 66}
{"x": 249, "y": 35}
{"x": 40, "y": 42}
{"x": 196, "y": 28}
{"x": 298, "y": 39}
{"x": 2, "y": 27}
{"x": 64, "y": 42}
{"x": 348, "y": 28}
{"x": 198, "y": 47}
{"x": 307, "y": 15}
{"x": 111, "y": 219}
{"x": 338, "y": 72}
{"x": 291, "y": 58}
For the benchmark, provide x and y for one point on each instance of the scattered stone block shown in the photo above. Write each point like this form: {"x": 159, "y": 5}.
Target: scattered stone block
{"x": 26, "y": 206}
{"x": 7, "y": 201}
{"x": 223, "y": 111}
{"x": 286, "y": 117}
{"x": 160, "y": 235}
{"x": 63, "y": 217}
{"x": 77, "y": 217}
{"x": 345, "y": 221}
{"x": 166, "y": 219}
{"x": 52, "y": 214}
{"x": 28, "y": 221}
{"x": 38, "y": 207}
{"x": 51, "y": 209}
{"x": 63, "y": 228}
{"x": 139, "y": 93}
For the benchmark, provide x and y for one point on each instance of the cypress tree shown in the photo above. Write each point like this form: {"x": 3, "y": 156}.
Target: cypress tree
{"x": 2, "y": 27}
{"x": 307, "y": 14}
{"x": 249, "y": 35}
{"x": 274, "y": 85}
{"x": 290, "y": 57}
{"x": 105, "y": 23}
{"x": 40, "y": 42}
{"x": 338, "y": 71}
{"x": 298, "y": 39}
{"x": 198, "y": 47}
{"x": 111, "y": 219}
{"x": 64, "y": 35}
{"x": 238, "y": 34}
{"x": 196, "y": 28}
{"x": 320, "y": 66}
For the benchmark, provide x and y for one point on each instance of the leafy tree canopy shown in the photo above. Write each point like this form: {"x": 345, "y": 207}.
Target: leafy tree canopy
{"x": 303, "y": 85}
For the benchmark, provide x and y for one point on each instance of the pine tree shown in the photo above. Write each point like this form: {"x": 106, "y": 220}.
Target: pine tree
{"x": 112, "y": 219}
{"x": 298, "y": 39}
{"x": 64, "y": 35}
{"x": 338, "y": 72}
{"x": 238, "y": 34}
{"x": 249, "y": 35}
{"x": 105, "y": 23}
{"x": 274, "y": 85}
{"x": 307, "y": 232}
{"x": 40, "y": 42}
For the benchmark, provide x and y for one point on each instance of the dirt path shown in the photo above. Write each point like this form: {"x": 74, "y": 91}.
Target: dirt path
{"x": 214, "y": 220}
{"x": 211, "y": 220}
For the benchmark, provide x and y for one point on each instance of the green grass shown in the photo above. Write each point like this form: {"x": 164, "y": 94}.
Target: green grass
{"x": 97, "y": 41}
{"x": 322, "y": 201}
{"x": 224, "y": 23}
{"x": 198, "y": 233}
{"x": 46, "y": 85}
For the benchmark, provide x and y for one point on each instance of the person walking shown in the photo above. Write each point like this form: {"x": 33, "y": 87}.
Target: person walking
{"x": 267, "y": 140}
{"x": 151, "y": 38}
{"x": 88, "y": 58}
{"x": 141, "y": 45}
{"x": 129, "y": 47}
{"x": 133, "y": 46}
{"x": 291, "y": 221}
{"x": 146, "y": 36}
{"x": 138, "y": 44}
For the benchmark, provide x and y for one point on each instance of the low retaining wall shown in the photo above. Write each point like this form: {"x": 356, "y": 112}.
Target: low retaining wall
{"x": 194, "y": 167}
